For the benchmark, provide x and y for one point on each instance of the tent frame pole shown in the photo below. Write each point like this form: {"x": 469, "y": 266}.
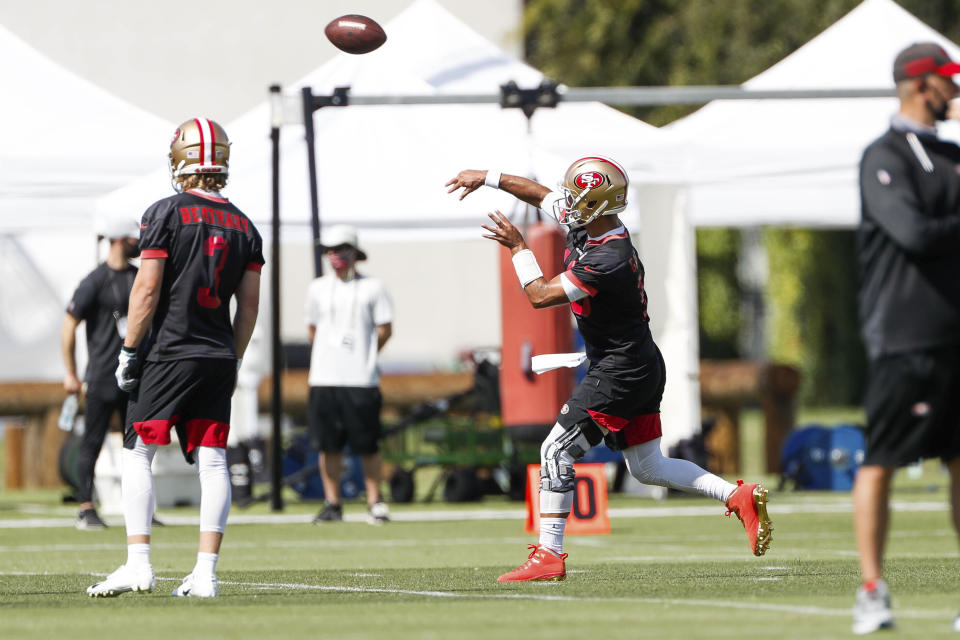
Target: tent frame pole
{"x": 312, "y": 103}
{"x": 548, "y": 94}
{"x": 276, "y": 400}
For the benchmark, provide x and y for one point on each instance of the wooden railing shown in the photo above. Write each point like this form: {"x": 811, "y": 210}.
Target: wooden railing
{"x": 726, "y": 386}
{"x": 33, "y": 440}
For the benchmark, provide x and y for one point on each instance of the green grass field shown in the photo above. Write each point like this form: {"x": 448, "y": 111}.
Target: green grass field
{"x": 670, "y": 569}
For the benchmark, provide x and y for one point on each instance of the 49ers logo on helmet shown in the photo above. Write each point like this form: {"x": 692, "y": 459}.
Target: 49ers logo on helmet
{"x": 176, "y": 134}
{"x": 588, "y": 180}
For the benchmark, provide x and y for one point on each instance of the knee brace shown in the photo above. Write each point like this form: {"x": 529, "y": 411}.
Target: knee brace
{"x": 560, "y": 450}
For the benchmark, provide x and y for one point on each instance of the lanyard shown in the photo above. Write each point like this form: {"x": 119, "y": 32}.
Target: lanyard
{"x": 118, "y": 297}
{"x": 353, "y": 286}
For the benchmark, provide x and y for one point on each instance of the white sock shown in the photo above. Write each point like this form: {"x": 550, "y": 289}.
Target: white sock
{"x": 136, "y": 484}
{"x": 214, "y": 488}
{"x": 647, "y": 464}
{"x": 551, "y": 533}
{"x": 206, "y": 564}
{"x": 138, "y": 555}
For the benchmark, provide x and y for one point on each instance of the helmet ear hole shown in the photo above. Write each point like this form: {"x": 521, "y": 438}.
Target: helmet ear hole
{"x": 591, "y": 204}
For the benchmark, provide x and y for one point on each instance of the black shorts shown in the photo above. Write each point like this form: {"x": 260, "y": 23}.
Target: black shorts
{"x": 345, "y": 415}
{"x": 192, "y": 396}
{"x": 622, "y": 396}
{"x": 913, "y": 407}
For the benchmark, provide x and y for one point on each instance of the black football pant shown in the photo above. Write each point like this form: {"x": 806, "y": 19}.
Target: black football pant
{"x": 103, "y": 399}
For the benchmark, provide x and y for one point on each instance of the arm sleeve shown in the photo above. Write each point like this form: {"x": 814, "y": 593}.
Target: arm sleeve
{"x": 573, "y": 292}
{"x": 890, "y": 200}
{"x": 156, "y": 231}
{"x": 382, "y": 306}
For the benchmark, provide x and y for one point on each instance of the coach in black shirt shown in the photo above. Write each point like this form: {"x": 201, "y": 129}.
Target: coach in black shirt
{"x": 909, "y": 255}
{"x": 101, "y": 302}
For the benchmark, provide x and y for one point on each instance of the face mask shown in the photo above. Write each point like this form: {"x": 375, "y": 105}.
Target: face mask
{"x": 131, "y": 250}
{"x": 939, "y": 113}
{"x": 340, "y": 260}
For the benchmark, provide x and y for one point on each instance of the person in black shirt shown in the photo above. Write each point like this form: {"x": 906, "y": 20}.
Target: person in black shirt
{"x": 619, "y": 399}
{"x": 101, "y": 302}
{"x": 909, "y": 253}
{"x": 198, "y": 251}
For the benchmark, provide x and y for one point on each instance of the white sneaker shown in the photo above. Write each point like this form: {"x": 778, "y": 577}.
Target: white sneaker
{"x": 956, "y": 623}
{"x": 122, "y": 580}
{"x": 378, "y": 514}
{"x": 198, "y": 587}
{"x": 872, "y": 610}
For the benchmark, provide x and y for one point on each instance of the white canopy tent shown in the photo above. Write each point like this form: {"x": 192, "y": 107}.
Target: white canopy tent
{"x": 771, "y": 162}
{"x": 383, "y": 169}
{"x": 795, "y": 161}
{"x": 66, "y": 142}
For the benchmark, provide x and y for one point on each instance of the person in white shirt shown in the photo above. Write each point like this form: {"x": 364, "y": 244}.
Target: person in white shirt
{"x": 349, "y": 320}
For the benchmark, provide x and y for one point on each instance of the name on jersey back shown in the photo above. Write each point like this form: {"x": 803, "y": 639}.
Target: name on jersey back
{"x": 216, "y": 217}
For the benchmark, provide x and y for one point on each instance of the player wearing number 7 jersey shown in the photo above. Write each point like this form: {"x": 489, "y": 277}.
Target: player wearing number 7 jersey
{"x": 198, "y": 251}
{"x": 618, "y": 401}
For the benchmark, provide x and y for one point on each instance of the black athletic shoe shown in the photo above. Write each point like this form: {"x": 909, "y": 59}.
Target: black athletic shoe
{"x": 329, "y": 513}
{"x": 88, "y": 519}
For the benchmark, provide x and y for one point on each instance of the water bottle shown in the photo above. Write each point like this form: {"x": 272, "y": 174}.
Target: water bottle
{"x": 68, "y": 412}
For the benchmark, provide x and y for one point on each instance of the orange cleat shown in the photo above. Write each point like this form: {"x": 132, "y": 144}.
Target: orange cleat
{"x": 749, "y": 502}
{"x": 541, "y": 564}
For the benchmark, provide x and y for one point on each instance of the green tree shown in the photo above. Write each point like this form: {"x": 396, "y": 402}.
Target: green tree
{"x": 718, "y": 296}
{"x": 811, "y": 293}
{"x": 811, "y": 288}
{"x": 668, "y": 42}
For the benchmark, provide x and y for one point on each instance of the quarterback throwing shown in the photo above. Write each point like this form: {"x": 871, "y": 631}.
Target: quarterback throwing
{"x": 619, "y": 399}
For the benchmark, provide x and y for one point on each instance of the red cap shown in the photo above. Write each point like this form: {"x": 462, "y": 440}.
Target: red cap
{"x": 922, "y": 58}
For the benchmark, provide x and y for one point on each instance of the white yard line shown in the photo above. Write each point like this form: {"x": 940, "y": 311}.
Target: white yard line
{"x": 808, "y": 507}
{"x": 916, "y": 614}
{"x": 282, "y": 544}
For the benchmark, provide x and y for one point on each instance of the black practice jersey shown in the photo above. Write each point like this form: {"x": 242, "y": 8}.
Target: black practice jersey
{"x": 101, "y": 301}
{"x": 208, "y": 244}
{"x": 909, "y": 243}
{"x": 613, "y": 317}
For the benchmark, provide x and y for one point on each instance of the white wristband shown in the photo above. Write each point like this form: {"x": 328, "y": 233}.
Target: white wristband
{"x": 493, "y": 178}
{"x": 525, "y": 264}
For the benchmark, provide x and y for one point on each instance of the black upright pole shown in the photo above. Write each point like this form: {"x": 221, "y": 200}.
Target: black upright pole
{"x": 312, "y": 169}
{"x": 276, "y": 405}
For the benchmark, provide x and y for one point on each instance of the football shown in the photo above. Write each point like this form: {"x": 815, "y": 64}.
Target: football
{"x": 355, "y": 34}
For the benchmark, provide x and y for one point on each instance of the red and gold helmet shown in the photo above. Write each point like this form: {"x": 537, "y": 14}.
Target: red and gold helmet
{"x": 199, "y": 146}
{"x": 593, "y": 186}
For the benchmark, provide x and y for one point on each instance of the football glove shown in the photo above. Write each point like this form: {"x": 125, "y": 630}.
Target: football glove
{"x": 127, "y": 377}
